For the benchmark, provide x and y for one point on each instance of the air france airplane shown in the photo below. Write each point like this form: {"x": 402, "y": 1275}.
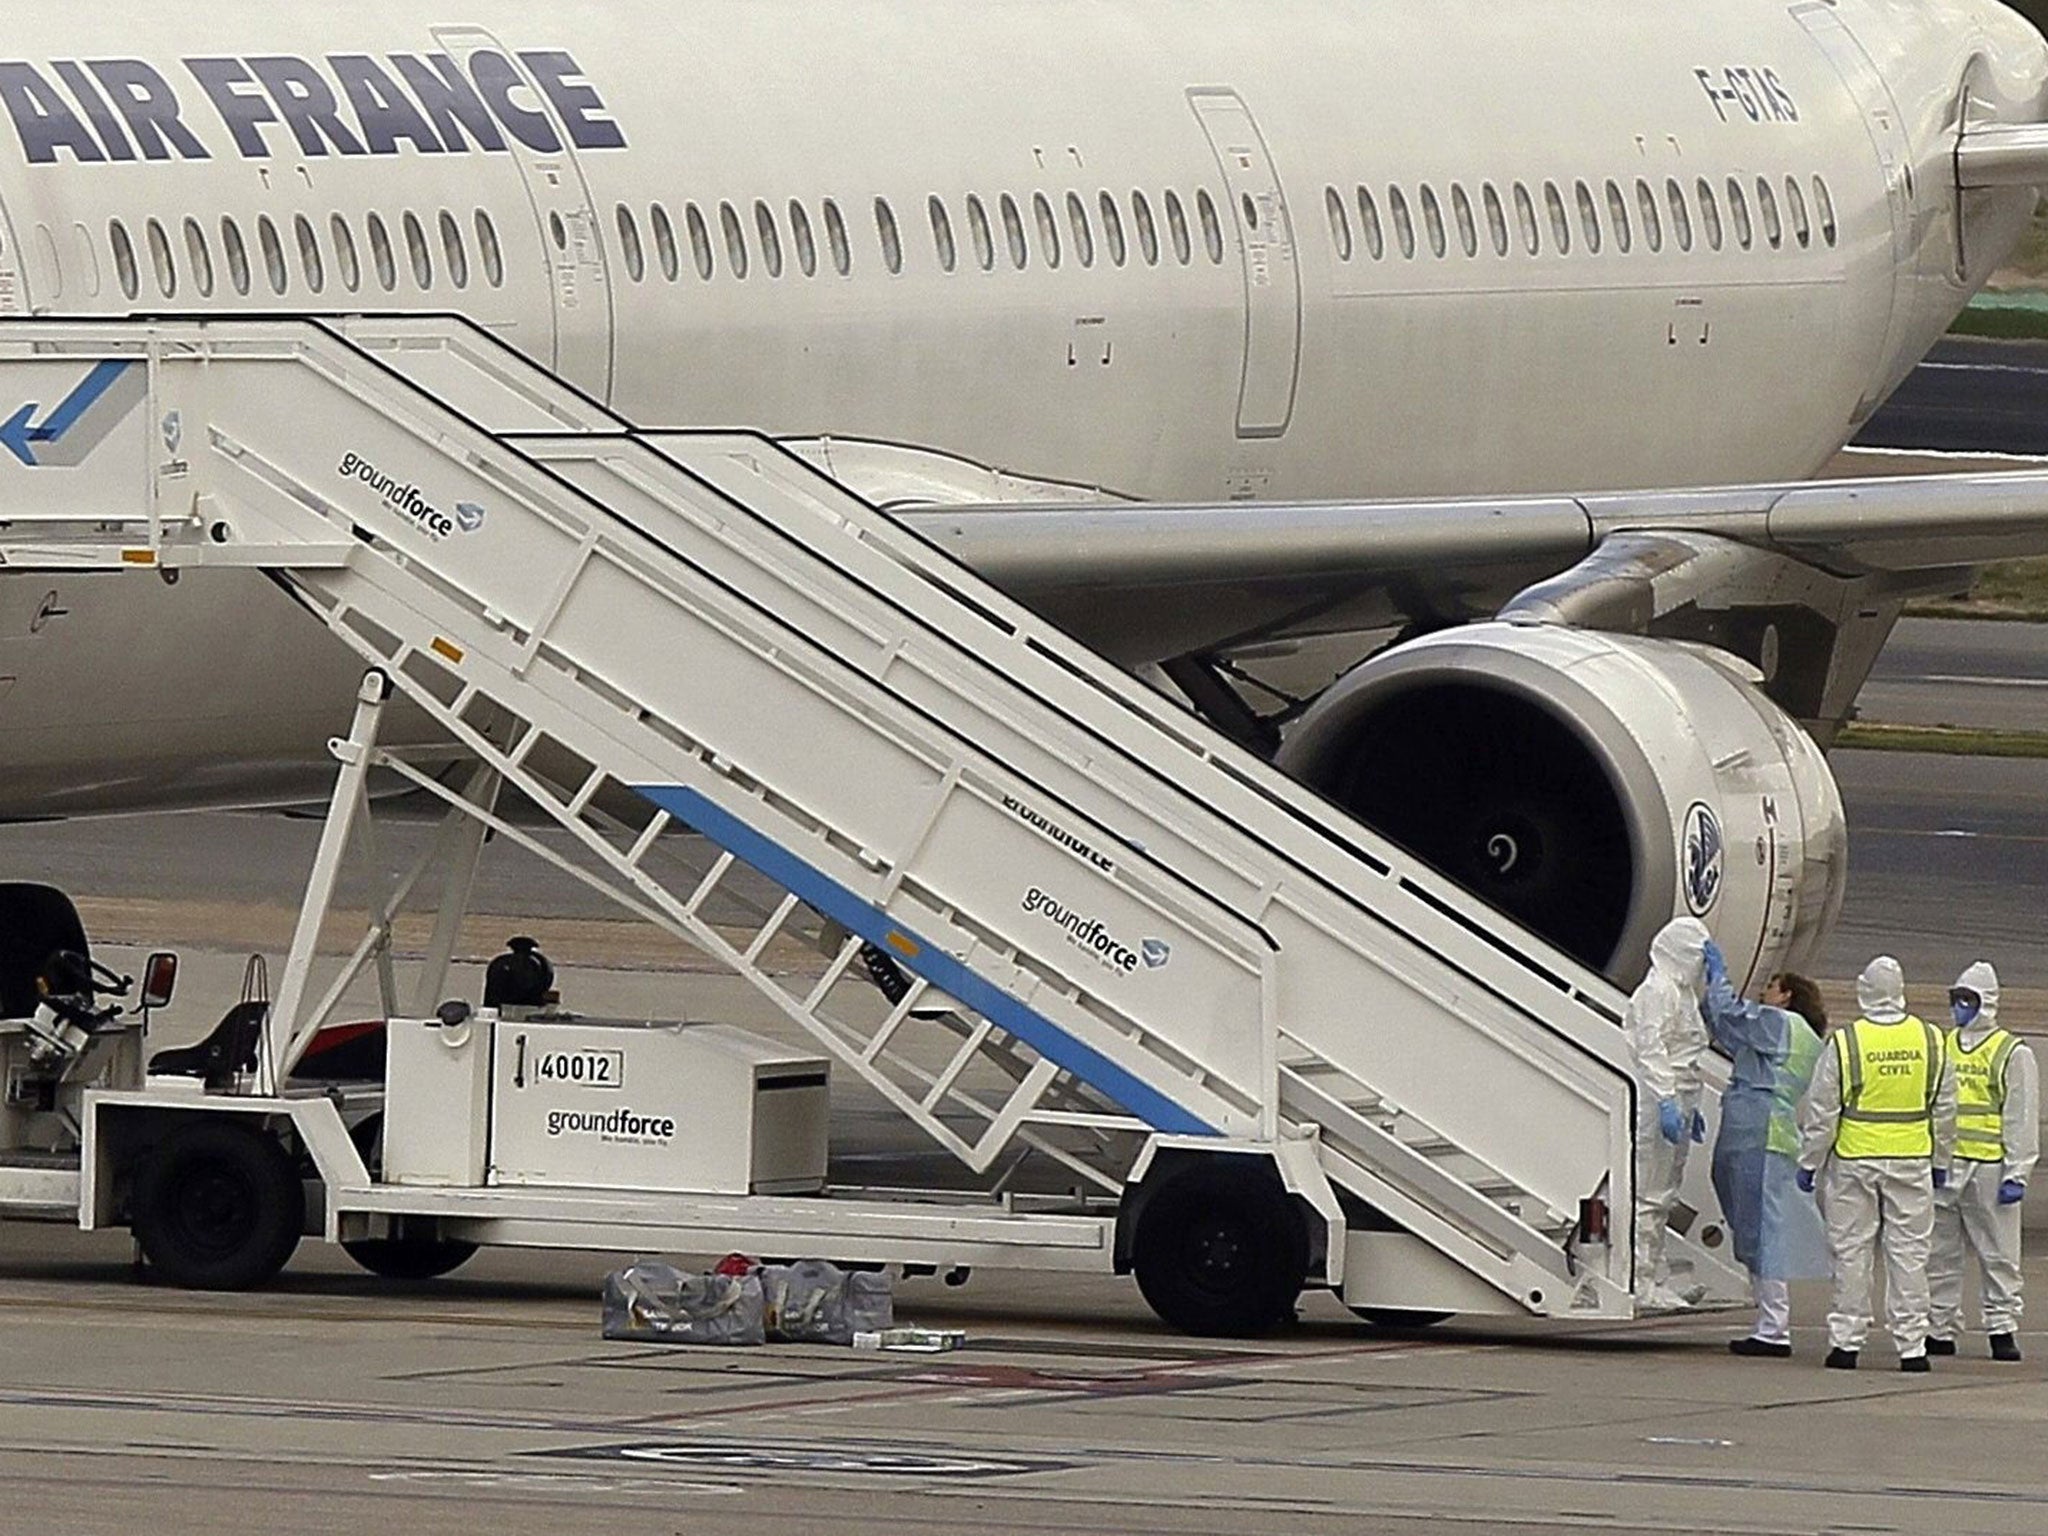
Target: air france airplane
{"x": 1209, "y": 326}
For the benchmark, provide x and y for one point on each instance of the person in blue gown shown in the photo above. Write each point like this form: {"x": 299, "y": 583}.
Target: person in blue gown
{"x": 1775, "y": 1228}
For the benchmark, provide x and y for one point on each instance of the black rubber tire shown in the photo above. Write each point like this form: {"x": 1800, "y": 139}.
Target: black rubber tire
{"x": 1220, "y": 1250}
{"x": 410, "y": 1258}
{"x": 1400, "y": 1317}
{"x": 218, "y": 1206}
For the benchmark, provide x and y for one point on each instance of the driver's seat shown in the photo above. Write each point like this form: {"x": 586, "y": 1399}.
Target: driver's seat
{"x": 229, "y": 1050}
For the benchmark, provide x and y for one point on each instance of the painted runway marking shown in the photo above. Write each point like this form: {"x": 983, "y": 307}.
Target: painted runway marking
{"x": 1973, "y": 681}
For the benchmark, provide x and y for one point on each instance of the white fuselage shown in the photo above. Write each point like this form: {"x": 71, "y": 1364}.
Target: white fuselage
{"x": 1199, "y": 251}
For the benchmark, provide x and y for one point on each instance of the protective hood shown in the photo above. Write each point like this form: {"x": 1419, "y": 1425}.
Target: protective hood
{"x": 1981, "y": 979}
{"x": 1679, "y": 954}
{"x": 1881, "y": 991}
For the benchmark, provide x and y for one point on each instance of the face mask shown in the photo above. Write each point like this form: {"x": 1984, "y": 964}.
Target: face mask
{"x": 1964, "y": 1011}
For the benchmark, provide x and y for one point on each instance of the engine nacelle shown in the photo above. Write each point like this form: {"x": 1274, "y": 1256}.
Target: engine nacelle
{"x": 1593, "y": 786}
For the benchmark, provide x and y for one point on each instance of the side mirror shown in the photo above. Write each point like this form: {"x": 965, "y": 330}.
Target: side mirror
{"x": 159, "y": 979}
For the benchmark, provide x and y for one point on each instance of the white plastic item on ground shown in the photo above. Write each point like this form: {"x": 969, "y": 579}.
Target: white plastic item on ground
{"x": 813, "y": 1302}
{"x": 655, "y": 1303}
{"x": 912, "y": 1341}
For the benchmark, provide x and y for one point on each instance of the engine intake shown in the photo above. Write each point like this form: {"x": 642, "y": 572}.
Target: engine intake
{"x": 1592, "y": 786}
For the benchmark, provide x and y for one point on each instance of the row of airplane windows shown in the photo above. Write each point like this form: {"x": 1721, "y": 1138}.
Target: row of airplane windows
{"x": 775, "y": 240}
{"x": 1688, "y": 216}
{"x": 421, "y": 246}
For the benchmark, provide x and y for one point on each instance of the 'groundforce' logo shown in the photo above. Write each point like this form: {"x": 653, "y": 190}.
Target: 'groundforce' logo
{"x": 1058, "y": 834}
{"x": 1089, "y": 933}
{"x": 408, "y": 502}
{"x": 611, "y": 1124}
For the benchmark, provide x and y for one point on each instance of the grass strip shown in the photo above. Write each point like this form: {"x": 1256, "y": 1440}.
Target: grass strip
{"x": 1949, "y": 740}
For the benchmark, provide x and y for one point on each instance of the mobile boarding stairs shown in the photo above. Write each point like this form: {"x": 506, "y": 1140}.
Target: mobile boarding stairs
{"x": 1059, "y": 921}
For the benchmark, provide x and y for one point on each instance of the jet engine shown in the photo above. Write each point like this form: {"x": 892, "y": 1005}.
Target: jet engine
{"x": 1592, "y": 786}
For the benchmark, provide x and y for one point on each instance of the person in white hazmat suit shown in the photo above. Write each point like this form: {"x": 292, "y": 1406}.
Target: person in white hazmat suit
{"x": 1878, "y": 1130}
{"x": 1998, "y": 1141}
{"x": 1667, "y": 1036}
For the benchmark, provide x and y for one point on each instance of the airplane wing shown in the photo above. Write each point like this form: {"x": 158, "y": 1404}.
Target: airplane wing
{"x": 1147, "y": 582}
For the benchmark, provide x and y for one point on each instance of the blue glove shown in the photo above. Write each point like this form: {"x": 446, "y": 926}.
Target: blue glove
{"x": 1717, "y": 964}
{"x": 2011, "y": 1192}
{"x": 1699, "y": 1126}
{"x": 1671, "y": 1120}
{"x": 1804, "y": 1178}
{"x": 1941, "y": 1178}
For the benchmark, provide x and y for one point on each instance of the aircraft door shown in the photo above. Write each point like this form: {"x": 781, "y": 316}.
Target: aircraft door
{"x": 1272, "y": 280}
{"x": 571, "y": 233}
{"x": 13, "y": 288}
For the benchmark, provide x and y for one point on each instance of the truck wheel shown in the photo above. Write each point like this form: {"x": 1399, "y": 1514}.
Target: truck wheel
{"x": 1219, "y": 1249}
{"x": 410, "y": 1258}
{"x": 218, "y": 1206}
{"x": 1400, "y": 1317}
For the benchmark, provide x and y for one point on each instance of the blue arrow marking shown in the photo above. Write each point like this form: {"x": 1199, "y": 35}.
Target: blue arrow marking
{"x": 20, "y": 432}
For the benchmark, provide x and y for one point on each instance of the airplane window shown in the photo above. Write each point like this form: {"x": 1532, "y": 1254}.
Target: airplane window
{"x": 1148, "y": 232}
{"x": 1369, "y": 228}
{"x": 1083, "y": 233}
{"x": 1824, "y": 206}
{"x": 1767, "y": 209}
{"x": 1212, "y": 227}
{"x": 1433, "y": 220}
{"x": 421, "y": 253}
{"x": 629, "y": 244}
{"x": 1525, "y": 220}
{"x": 1177, "y": 227}
{"x": 237, "y": 253}
{"x": 493, "y": 253}
{"x": 806, "y": 243}
{"x": 1496, "y": 218}
{"x": 1560, "y": 225}
{"x": 309, "y": 254}
{"x": 1404, "y": 222}
{"x": 1738, "y": 213}
{"x": 558, "y": 231}
{"x": 381, "y": 253}
{"x": 835, "y": 235}
{"x": 1710, "y": 214}
{"x": 1013, "y": 231}
{"x": 1468, "y": 227}
{"x": 700, "y": 240}
{"x": 942, "y": 234}
{"x": 984, "y": 238}
{"x": 273, "y": 254}
{"x": 1048, "y": 229}
{"x": 1646, "y": 205}
{"x": 88, "y": 258}
{"x": 665, "y": 249}
{"x": 199, "y": 257}
{"x": 1617, "y": 215}
{"x": 1795, "y": 204}
{"x": 1113, "y": 229}
{"x": 124, "y": 259}
{"x": 1340, "y": 223}
{"x": 160, "y": 259}
{"x": 771, "y": 238}
{"x": 1589, "y": 217}
{"x": 1681, "y": 217}
{"x": 735, "y": 239}
{"x": 457, "y": 254}
{"x": 346, "y": 259}
{"x": 892, "y": 242}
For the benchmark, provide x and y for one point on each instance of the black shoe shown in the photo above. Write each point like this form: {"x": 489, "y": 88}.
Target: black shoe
{"x": 1941, "y": 1346}
{"x": 2005, "y": 1346}
{"x": 1917, "y": 1364}
{"x": 1840, "y": 1360}
{"x": 1762, "y": 1349}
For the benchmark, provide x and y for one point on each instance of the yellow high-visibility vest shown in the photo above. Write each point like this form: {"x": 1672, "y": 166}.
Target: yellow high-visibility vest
{"x": 1980, "y": 1096}
{"x": 1890, "y": 1073}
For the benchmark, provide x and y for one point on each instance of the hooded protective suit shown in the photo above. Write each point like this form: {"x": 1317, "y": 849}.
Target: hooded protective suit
{"x": 1969, "y": 1217}
{"x": 1868, "y": 1200}
{"x": 1667, "y": 1037}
